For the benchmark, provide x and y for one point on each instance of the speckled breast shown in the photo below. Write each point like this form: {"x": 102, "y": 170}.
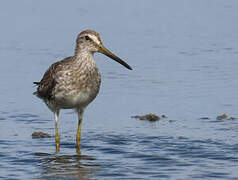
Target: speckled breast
{"x": 78, "y": 89}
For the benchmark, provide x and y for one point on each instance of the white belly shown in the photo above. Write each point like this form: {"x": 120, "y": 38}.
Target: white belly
{"x": 73, "y": 100}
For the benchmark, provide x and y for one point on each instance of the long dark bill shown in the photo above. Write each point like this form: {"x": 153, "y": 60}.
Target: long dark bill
{"x": 105, "y": 51}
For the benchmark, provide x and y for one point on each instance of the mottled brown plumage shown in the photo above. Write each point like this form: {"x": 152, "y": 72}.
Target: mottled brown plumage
{"x": 74, "y": 82}
{"x": 48, "y": 82}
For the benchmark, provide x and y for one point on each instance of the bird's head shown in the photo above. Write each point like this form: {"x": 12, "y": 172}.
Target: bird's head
{"x": 91, "y": 41}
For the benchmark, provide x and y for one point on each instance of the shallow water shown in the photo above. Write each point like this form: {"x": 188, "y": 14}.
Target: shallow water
{"x": 184, "y": 55}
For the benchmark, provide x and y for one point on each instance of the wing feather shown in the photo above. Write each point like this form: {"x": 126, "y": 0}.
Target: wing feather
{"x": 49, "y": 80}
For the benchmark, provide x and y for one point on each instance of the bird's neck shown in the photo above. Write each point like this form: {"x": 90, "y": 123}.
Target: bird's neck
{"x": 83, "y": 53}
{"x": 79, "y": 51}
{"x": 84, "y": 58}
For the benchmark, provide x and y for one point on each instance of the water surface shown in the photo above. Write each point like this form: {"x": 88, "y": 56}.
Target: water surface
{"x": 184, "y": 55}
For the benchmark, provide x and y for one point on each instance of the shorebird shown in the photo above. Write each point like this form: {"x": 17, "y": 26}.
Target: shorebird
{"x": 74, "y": 82}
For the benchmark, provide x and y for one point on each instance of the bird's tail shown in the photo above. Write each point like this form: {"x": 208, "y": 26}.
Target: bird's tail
{"x": 37, "y": 83}
{"x": 36, "y": 93}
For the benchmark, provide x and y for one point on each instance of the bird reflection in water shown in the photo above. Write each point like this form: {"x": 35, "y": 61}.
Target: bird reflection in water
{"x": 70, "y": 166}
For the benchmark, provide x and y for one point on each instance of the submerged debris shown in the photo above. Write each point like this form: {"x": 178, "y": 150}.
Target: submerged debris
{"x": 181, "y": 137}
{"x": 163, "y": 116}
{"x": 40, "y": 135}
{"x": 223, "y": 116}
{"x": 232, "y": 118}
{"x": 150, "y": 117}
{"x": 171, "y": 120}
{"x": 204, "y": 118}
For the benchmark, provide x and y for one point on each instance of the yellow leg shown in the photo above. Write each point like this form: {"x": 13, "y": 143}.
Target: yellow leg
{"x": 57, "y": 137}
{"x": 78, "y": 135}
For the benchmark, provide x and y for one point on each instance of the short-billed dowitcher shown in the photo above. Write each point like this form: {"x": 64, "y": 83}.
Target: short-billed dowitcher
{"x": 74, "y": 82}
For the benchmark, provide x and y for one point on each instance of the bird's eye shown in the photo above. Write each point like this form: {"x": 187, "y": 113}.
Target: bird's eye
{"x": 87, "y": 38}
